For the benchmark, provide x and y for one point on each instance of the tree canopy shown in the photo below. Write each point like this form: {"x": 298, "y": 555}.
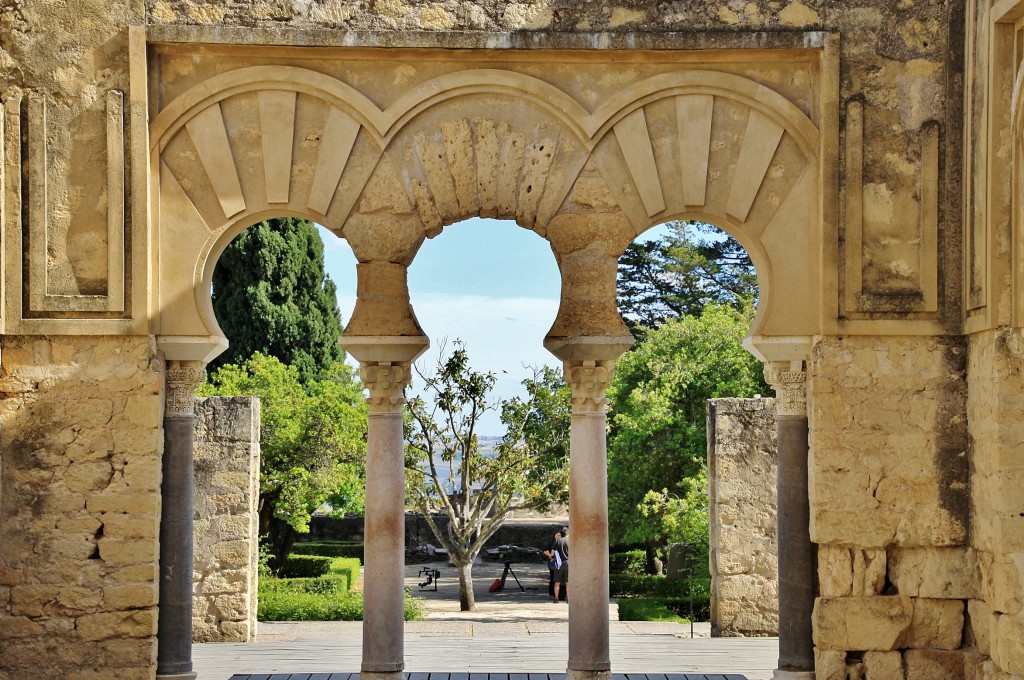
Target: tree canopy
{"x": 658, "y": 429}
{"x": 271, "y": 295}
{"x": 313, "y": 441}
{"x": 694, "y": 266}
{"x": 449, "y": 472}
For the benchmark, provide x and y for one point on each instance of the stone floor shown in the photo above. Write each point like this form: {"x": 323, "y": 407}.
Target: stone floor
{"x": 513, "y": 632}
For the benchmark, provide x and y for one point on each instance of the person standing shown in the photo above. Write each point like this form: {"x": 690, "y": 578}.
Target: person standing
{"x": 558, "y": 564}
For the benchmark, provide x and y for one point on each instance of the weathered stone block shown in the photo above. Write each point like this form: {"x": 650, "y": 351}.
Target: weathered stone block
{"x": 18, "y": 627}
{"x": 862, "y": 623}
{"x": 978, "y": 625}
{"x": 931, "y": 664}
{"x": 948, "y": 573}
{"x": 31, "y": 600}
{"x": 829, "y": 665}
{"x": 118, "y": 552}
{"x": 883, "y": 666}
{"x": 133, "y": 596}
{"x": 124, "y": 502}
{"x": 937, "y": 624}
{"x": 1007, "y": 644}
{"x": 78, "y": 598}
{"x": 132, "y": 624}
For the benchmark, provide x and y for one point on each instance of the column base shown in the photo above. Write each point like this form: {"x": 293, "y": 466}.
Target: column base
{"x": 177, "y": 676}
{"x": 381, "y": 675}
{"x": 792, "y": 675}
{"x": 588, "y": 675}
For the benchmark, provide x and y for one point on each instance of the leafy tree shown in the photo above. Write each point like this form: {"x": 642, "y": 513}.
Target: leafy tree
{"x": 694, "y": 266}
{"x": 271, "y": 295}
{"x": 658, "y": 436}
{"x": 448, "y": 472}
{"x": 313, "y": 441}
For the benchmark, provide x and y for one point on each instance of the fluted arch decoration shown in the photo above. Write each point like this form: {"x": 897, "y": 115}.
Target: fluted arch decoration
{"x": 268, "y": 140}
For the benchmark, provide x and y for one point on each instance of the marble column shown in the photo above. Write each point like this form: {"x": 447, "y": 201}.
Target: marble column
{"x": 174, "y": 634}
{"x": 797, "y": 555}
{"x": 589, "y": 649}
{"x": 384, "y": 546}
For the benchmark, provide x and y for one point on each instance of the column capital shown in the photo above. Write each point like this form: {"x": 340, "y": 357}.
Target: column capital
{"x": 588, "y": 379}
{"x": 386, "y": 382}
{"x": 789, "y": 380}
{"x": 180, "y": 383}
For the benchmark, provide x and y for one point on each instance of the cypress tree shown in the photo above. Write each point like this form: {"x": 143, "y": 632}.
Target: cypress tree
{"x": 271, "y": 295}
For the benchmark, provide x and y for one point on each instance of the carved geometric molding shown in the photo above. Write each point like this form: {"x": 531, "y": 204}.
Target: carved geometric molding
{"x": 482, "y": 167}
{"x": 900, "y": 283}
{"x": 707, "y": 155}
{"x": 42, "y": 298}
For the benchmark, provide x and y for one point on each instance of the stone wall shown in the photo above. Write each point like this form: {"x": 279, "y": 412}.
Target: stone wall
{"x": 995, "y": 605}
{"x": 227, "y": 491}
{"x": 80, "y": 441}
{"x": 743, "y": 529}
{"x": 890, "y": 509}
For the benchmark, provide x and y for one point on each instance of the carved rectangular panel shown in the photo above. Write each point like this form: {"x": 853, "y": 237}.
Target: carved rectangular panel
{"x": 42, "y": 298}
{"x": 914, "y": 286}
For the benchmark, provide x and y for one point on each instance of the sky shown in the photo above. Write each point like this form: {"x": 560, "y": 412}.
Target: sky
{"x": 489, "y": 283}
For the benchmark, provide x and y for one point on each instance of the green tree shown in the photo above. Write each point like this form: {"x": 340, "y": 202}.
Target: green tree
{"x": 694, "y": 266}
{"x": 271, "y": 295}
{"x": 658, "y": 427}
{"x": 449, "y": 472}
{"x": 313, "y": 441}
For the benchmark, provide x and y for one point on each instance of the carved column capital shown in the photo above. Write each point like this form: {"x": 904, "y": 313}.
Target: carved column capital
{"x": 182, "y": 379}
{"x": 386, "y": 382}
{"x": 789, "y": 380}
{"x": 588, "y": 379}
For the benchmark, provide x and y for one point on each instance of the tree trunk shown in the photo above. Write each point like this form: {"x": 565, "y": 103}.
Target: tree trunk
{"x": 467, "y": 599}
{"x": 282, "y": 538}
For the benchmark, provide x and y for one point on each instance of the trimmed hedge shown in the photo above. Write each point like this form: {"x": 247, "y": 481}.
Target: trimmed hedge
{"x": 648, "y": 609}
{"x": 332, "y": 584}
{"x": 629, "y": 562}
{"x": 305, "y": 566}
{"x": 352, "y": 549}
{"x": 629, "y": 585}
{"x": 346, "y": 566}
{"x": 292, "y": 606}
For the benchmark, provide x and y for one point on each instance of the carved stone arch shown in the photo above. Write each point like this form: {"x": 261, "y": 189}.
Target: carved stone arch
{"x": 280, "y": 140}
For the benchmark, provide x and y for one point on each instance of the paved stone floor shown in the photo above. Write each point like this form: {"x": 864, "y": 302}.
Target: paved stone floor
{"x": 513, "y": 631}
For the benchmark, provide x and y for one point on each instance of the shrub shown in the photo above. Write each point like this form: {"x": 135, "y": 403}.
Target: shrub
{"x": 628, "y": 585}
{"x": 647, "y": 609}
{"x": 628, "y": 562}
{"x": 330, "y": 549}
{"x": 305, "y": 566}
{"x": 332, "y": 584}
{"x": 346, "y": 566}
{"x": 276, "y": 605}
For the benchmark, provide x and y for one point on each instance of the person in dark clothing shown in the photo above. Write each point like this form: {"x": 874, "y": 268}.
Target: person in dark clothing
{"x": 558, "y": 564}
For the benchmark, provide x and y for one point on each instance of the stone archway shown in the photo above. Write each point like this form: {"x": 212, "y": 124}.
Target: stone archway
{"x": 587, "y": 157}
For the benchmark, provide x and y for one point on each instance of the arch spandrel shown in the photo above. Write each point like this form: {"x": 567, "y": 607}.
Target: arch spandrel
{"x": 262, "y": 140}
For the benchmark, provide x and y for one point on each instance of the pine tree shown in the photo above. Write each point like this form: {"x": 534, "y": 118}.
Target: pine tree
{"x": 271, "y": 295}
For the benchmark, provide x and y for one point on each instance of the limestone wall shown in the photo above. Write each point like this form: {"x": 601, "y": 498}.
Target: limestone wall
{"x": 995, "y": 403}
{"x": 227, "y": 486}
{"x": 890, "y": 508}
{"x": 80, "y": 446}
{"x": 743, "y": 529}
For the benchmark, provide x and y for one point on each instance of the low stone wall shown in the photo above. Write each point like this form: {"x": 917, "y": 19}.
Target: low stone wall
{"x": 227, "y": 488}
{"x": 742, "y": 503}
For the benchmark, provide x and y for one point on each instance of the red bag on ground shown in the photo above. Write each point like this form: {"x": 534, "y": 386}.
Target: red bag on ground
{"x": 496, "y": 586}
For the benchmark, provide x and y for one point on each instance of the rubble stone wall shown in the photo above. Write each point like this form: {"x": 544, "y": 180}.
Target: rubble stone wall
{"x": 80, "y": 444}
{"x": 227, "y": 490}
{"x": 744, "y": 555}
